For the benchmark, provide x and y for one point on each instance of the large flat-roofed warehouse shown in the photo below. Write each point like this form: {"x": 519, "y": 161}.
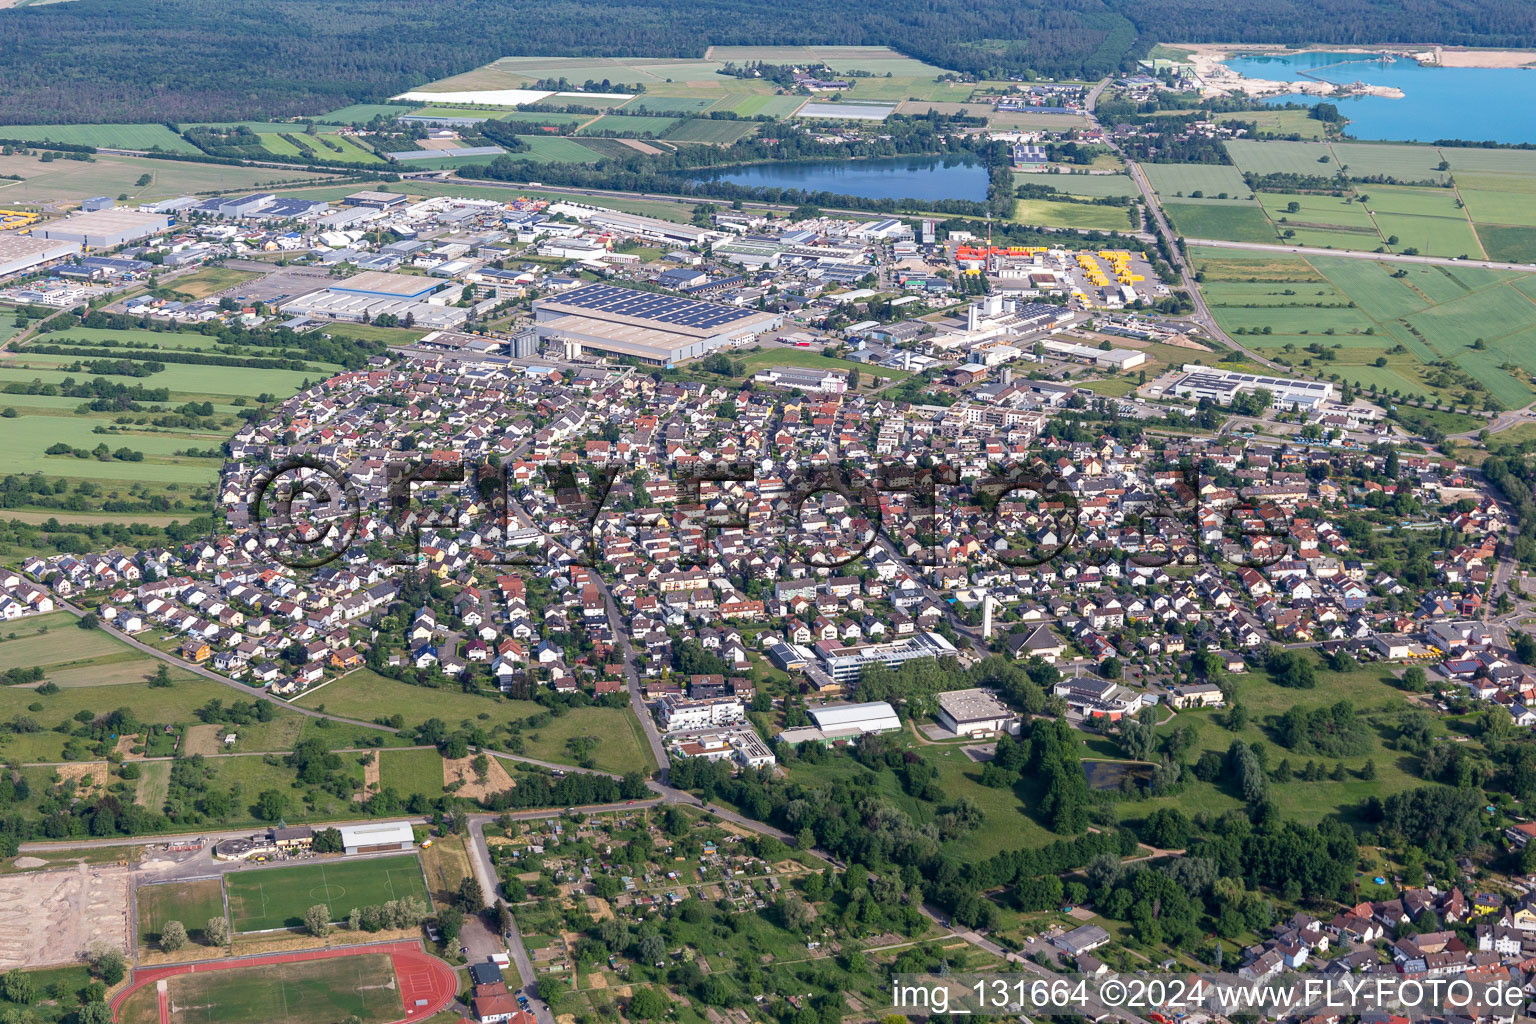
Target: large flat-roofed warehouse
{"x": 20, "y": 253}
{"x": 653, "y": 328}
{"x": 378, "y": 284}
{"x": 104, "y": 229}
{"x": 1220, "y": 385}
{"x": 375, "y": 293}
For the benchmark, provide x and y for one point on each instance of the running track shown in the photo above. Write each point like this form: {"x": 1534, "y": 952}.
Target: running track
{"x": 427, "y": 985}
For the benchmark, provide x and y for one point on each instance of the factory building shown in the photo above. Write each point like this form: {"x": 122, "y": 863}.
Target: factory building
{"x": 20, "y": 253}
{"x": 1114, "y": 358}
{"x": 659, "y": 330}
{"x": 1221, "y": 385}
{"x": 638, "y": 226}
{"x": 378, "y": 200}
{"x": 104, "y": 229}
{"x": 375, "y": 293}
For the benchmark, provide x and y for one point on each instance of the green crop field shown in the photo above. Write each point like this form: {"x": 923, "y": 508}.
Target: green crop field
{"x": 270, "y": 898}
{"x": 629, "y": 124}
{"x": 1280, "y": 122}
{"x": 1404, "y": 163}
{"x": 362, "y": 113}
{"x": 1212, "y": 180}
{"x": 1325, "y": 211}
{"x": 1050, "y": 213}
{"x": 1309, "y": 158}
{"x": 361, "y": 987}
{"x": 555, "y": 150}
{"x": 191, "y": 903}
{"x": 1500, "y": 207}
{"x": 662, "y": 103}
{"x": 773, "y": 106}
{"x": 1478, "y": 320}
{"x": 1229, "y": 221}
{"x": 706, "y": 130}
{"x": 1089, "y": 186}
{"x": 1508, "y": 244}
{"x": 1433, "y": 236}
{"x": 67, "y": 180}
{"x": 112, "y": 136}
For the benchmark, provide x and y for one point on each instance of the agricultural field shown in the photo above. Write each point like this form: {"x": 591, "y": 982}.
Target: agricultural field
{"x": 65, "y": 181}
{"x": 1479, "y": 320}
{"x": 109, "y": 136}
{"x": 361, "y": 988}
{"x": 49, "y": 419}
{"x": 552, "y": 149}
{"x": 191, "y": 903}
{"x": 1280, "y": 122}
{"x": 1088, "y": 186}
{"x": 272, "y": 898}
{"x": 629, "y": 124}
{"x": 1050, "y": 213}
{"x": 720, "y": 133}
{"x": 1233, "y": 220}
{"x": 1306, "y": 158}
{"x": 1407, "y": 164}
{"x": 1183, "y": 180}
{"x": 362, "y": 113}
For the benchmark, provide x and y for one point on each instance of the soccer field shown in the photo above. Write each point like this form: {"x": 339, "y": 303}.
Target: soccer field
{"x": 191, "y": 903}
{"x": 270, "y": 898}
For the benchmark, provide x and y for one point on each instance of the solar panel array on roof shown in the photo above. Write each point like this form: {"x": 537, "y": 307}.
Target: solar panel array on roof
{"x": 666, "y": 309}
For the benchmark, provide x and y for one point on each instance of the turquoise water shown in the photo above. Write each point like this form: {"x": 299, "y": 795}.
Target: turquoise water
{"x": 1477, "y": 104}
{"x": 898, "y": 177}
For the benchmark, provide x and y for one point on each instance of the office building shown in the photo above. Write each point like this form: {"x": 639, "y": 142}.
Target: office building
{"x": 846, "y": 664}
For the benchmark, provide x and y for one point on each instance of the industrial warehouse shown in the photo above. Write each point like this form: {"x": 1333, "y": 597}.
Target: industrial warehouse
{"x": 372, "y": 294}
{"x": 656, "y": 329}
{"x": 104, "y": 229}
{"x": 20, "y": 253}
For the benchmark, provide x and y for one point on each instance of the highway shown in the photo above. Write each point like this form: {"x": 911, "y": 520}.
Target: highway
{"x": 1357, "y": 254}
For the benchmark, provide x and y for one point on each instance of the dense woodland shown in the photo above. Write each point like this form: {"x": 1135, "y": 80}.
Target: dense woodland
{"x": 190, "y": 60}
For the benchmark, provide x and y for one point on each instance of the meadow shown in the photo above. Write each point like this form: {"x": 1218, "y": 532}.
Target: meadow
{"x": 1089, "y": 186}
{"x": 271, "y": 898}
{"x": 1235, "y": 221}
{"x": 1176, "y": 180}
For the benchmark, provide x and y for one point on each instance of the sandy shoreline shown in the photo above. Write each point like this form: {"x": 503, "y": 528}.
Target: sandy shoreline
{"x": 1216, "y": 79}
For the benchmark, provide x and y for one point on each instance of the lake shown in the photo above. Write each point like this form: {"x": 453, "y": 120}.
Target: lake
{"x": 1477, "y": 104}
{"x": 897, "y": 177}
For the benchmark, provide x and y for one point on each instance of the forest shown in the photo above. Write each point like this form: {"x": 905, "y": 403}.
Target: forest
{"x": 200, "y": 60}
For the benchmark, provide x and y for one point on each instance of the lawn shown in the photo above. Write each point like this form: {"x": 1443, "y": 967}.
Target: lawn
{"x": 265, "y": 899}
{"x": 361, "y": 987}
{"x": 191, "y": 903}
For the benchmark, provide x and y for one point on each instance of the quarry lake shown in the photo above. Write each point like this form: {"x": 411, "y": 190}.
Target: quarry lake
{"x": 1476, "y": 104}
{"x": 899, "y": 177}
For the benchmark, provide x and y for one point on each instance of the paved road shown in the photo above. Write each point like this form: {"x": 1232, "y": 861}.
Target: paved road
{"x": 1356, "y": 254}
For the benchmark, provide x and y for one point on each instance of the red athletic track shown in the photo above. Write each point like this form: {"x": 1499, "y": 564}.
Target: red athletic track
{"x": 419, "y": 975}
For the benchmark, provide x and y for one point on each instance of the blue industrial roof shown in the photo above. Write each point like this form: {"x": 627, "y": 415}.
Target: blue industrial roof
{"x": 666, "y": 309}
